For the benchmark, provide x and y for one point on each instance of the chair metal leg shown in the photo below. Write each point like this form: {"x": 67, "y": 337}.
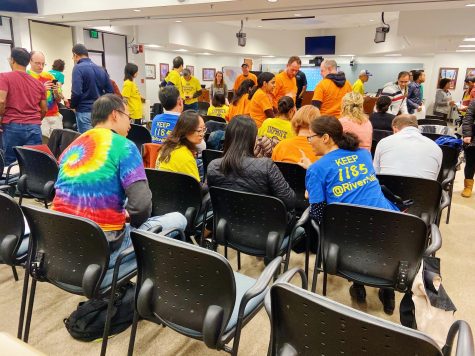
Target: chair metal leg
{"x": 307, "y": 253}
{"x": 451, "y": 189}
{"x": 133, "y": 332}
{"x": 105, "y": 336}
{"x": 23, "y": 304}
{"x": 21, "y": 199}
{"x": 15, "y": 274}
{"x": 46, "y": 204}
{"x": 30, "y": 310}
{"x": 239, "y": 260}
{"x": 325, "y": 283}
{"x": 225, "y": 251}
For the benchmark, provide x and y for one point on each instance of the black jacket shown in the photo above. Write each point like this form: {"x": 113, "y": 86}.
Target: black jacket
{"x": 469, "y": 122}
{"x": 259, "y": 176}
{"x": 382, "y": 121}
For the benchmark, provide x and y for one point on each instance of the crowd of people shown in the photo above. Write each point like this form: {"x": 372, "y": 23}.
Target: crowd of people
{"x": 102, "y": 177}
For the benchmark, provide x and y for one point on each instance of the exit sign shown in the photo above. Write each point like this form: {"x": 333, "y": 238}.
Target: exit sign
{"x": 93, "y": 34}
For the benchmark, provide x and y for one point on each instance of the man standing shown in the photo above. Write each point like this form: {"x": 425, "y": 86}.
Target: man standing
{"x": 285, "y": 82}
{"x": 414, "y": 94}
{"x": 22, "y": 105}
{"x": 398, "y": 93}
{"x": 174, "y": 76}
{"x": 246, "y": 74}
{"x": 332, "y": 88}
{"x": 407, "y": 152}
{"x": 191, "y": 90}
{"x": 53, "y": 119}
{"x": 102, "y": 178}
{"x": 358, "y": 86}
{"x": 89, "y": 82}
{"x": 301, "y": 88}
{"x": 163, "y": 124}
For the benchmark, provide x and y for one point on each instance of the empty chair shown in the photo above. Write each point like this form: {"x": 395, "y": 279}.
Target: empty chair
{"x": 203, "y": 107}
{"x": 304, "y": 323}
{"x": 207, "y": 118}
{"x": 139, "y": 135}
{"x": 38, "y": 174}
{"x": 427, "y": 195}
{"x": 447, "y": 172}
{"x": 72, "y": 253}
{"x": 157, "y": 109}
{"x": 432, "y": 121}
{"x": 374, "y": 247}
{"x": 254, "y": 224}
{"x": 208, "y": 156}
{"x": 295, "y": 176}
{"x": 69, "y": 119}
{"x": 195, "y": 292}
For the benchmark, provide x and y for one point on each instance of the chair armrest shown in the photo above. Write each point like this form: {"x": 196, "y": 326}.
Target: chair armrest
{"x": 5, "y": 188}
{"x": 303, "y": 219}
{"x": 7, "y": 176}
{"x": 445, "y": 201}
{"x": 450, "y": 177}
{"x": 286, "y": 277}
{"x": 156, "y": 229}
{"x": 169, "y": 231}
{"x": 436, "y": 240}
{"x": 464, "y": 340}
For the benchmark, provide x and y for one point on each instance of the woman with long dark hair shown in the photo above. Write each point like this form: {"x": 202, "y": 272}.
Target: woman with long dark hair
{"x": 131, "y": 93}
{"x": 261, "y": 98}
{"x": 240, "y": 104}
{"x": 240, "y": 170}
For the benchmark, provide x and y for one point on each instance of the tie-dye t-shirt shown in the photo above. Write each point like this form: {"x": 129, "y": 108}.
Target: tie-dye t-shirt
{"x": 52, "y": 105}
{"x": 94, "y": 172}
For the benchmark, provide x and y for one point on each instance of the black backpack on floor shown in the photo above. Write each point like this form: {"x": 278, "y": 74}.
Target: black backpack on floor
{"x": 87, "y": 322}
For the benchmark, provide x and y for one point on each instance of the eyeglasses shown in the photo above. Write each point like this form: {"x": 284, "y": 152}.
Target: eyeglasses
{"x": 201, "y": 131}
{"x": 309, "y": 138}
{"x": 124, "y": 114}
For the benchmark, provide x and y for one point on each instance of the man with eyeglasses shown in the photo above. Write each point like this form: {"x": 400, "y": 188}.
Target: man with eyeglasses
{"x": 102, "y": 178}
{"x": 398, "y": 93}
{"x": 22, "y": 105}
{"x": 53, "y": 119}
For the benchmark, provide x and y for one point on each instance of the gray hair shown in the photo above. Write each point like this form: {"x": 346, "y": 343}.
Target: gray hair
{"x": 329, "y": 64}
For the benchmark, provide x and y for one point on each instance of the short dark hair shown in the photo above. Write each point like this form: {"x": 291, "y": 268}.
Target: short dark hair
{"x": 403, "y": 74}
{"x": 218, "y": 99}
{"x": 103, "y": 107}
{"x": 80, "y": 50}
{"x": 58, "y": 65}
{"x": 294, "y": 59}
{"x": 383, "y": 103}
{"x": 21, "y": 56}
{"x": 130, "y": 70}
{"x": 416, "y": 74}
{"x": 443, "y": 82}
{"x": 470, "y": 79}
{"x": 177, "y": 62}
{"x": 168, "y": 97}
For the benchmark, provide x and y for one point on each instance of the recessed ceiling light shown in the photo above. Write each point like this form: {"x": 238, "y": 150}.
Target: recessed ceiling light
{"x": 393, "y": 55}
{"x": 268, "y": 56}
{"x": 469, "y": 39}
{"x": 40, "y": 17}
{"x": 178, "y": 21}
{"x": 260, "y": 26}
{"x": 465, "y": 50}
{"x": 152, "y": 46}
{"x": 347, "y": 55}
{"x": 205, "y": 53}
{"x": 297, "y": 15}
{"x": 181, "y": 50}
{"x": 470, "y": 5}
{"x": 137, "y": 10}
{"x": 371, "y": 20}
{"x": 467, "y": 46}
{"x": 272, "y": 0}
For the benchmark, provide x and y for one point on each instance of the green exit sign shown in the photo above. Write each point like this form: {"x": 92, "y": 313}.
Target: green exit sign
{"x": 93, "y": 34}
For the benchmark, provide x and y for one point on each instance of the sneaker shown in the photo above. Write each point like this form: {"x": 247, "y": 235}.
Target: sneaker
{"x": 386, "y": 296}
{"x": 358, "y": 292}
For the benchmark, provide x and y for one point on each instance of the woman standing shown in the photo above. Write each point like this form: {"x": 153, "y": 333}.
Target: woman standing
{"x": 354, "y": 119}
{"x": 131, "y": 93}
{"x": 218, "y": 87}
{"x": 261, "y": 98}
{"x": 443, "y": 99}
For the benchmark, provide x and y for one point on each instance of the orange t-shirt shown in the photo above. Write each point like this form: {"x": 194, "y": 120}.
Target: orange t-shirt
{"x": 288, "y": 150}
{"x": 242, "y": 107}
{"x": 242, "y": 78}
{"x": 260, "y": 102}
{"x": 284, "y": 86}
{"x": 330, "y": 96}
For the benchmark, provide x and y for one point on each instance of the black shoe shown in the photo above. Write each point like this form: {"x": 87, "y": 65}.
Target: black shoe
{"x": 358, "y": 292}
{"x": 386, "y": 296}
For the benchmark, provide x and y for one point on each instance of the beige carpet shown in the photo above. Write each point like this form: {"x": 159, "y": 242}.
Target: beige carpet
{"x": 52, "y": 305}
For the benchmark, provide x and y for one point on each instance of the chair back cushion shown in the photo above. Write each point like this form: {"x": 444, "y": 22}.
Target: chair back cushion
{"x": 295, "y": 176}
{"x": 11, "y": 223}
{"x": 139, "y": 135}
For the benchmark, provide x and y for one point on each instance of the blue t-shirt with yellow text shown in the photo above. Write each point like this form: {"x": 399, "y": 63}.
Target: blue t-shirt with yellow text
{"x": 343, "y": 176}
{"x": 162, "y": 127}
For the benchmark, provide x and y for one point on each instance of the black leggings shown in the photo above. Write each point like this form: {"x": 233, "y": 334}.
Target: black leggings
{"x": 469, "y": 162}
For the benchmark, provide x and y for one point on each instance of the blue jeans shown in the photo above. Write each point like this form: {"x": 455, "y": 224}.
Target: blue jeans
{"x": 193, "y": 106}
{"x": 167, "y": 221}
{"x": 19, "y": 135}
{"x": 83, "y": 120}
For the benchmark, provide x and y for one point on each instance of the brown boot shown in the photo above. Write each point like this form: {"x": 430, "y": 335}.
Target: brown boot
{"x": 468, "y": 186}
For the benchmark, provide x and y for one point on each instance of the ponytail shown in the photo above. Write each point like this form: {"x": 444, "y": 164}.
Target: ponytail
{"x": 348, "y": 141}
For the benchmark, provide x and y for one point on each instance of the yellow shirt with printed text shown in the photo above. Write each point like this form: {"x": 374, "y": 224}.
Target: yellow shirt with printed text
{"x": 220, "y": 111}
{"x": 277, "y": 127}
{"x": 190, "y": 87}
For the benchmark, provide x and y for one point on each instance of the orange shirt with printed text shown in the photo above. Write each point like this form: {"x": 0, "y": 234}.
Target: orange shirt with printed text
{"x": 260, "y": 102}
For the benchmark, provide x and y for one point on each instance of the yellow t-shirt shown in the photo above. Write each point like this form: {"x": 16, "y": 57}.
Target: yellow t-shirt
{"x": 134, "y": 99}
{"x": 278, "y": 128}
{"x": 358, "y": 87}
{"x": 175, "y": 78}
{"x": 284, "y": 86}
{"x": 260, "y": 102}
{"x": 190, "y": 87}
{"x": 181, "y": 160}
{"x": 221, "y": 111}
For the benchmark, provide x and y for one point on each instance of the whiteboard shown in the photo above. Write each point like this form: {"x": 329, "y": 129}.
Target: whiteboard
{"x": 115, "y": 55}
{"x": 5, "y": 51}
{"x": 230, "y": 74}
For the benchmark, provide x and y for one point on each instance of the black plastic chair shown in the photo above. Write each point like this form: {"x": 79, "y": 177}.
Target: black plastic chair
{"x": 60, "y": 139}
{"x": 208, "y": 156}
{"x": 207, "y": 118}
{"x": 72, "y": 253}
{"x": 253, "y": 224}
{"x": 450, "y": 156}
{"x": 69, "y": 119}
{"x": 139, "y": 135}
{"x": 304, "y": 323}
{"x": 203, "y": 107}
{"x": 7, "y": 179}
{"x": 378, "y": 135}
{"x": 176, "y": 192}
{"x": 195, "y": 292}
{"x": 432, "y": 121}
{"x": 13, "y": 241}
{"x": 374, "y": 247}
{"x": 157, "y": 109}
{"x": 427, "y": 195}
{"x": 38, "y": 174}
{"x": 295, "y": 176}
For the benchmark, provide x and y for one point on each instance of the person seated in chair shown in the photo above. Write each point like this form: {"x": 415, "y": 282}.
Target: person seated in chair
{"x": 238, "y": 169}
{"x": 102, "y": 178}
{"x": 163, "y": 124}
{"x": 344, "y": 174}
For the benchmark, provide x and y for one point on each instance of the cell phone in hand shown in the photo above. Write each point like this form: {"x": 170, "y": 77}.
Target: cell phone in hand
{"x": 55, "y": 81}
